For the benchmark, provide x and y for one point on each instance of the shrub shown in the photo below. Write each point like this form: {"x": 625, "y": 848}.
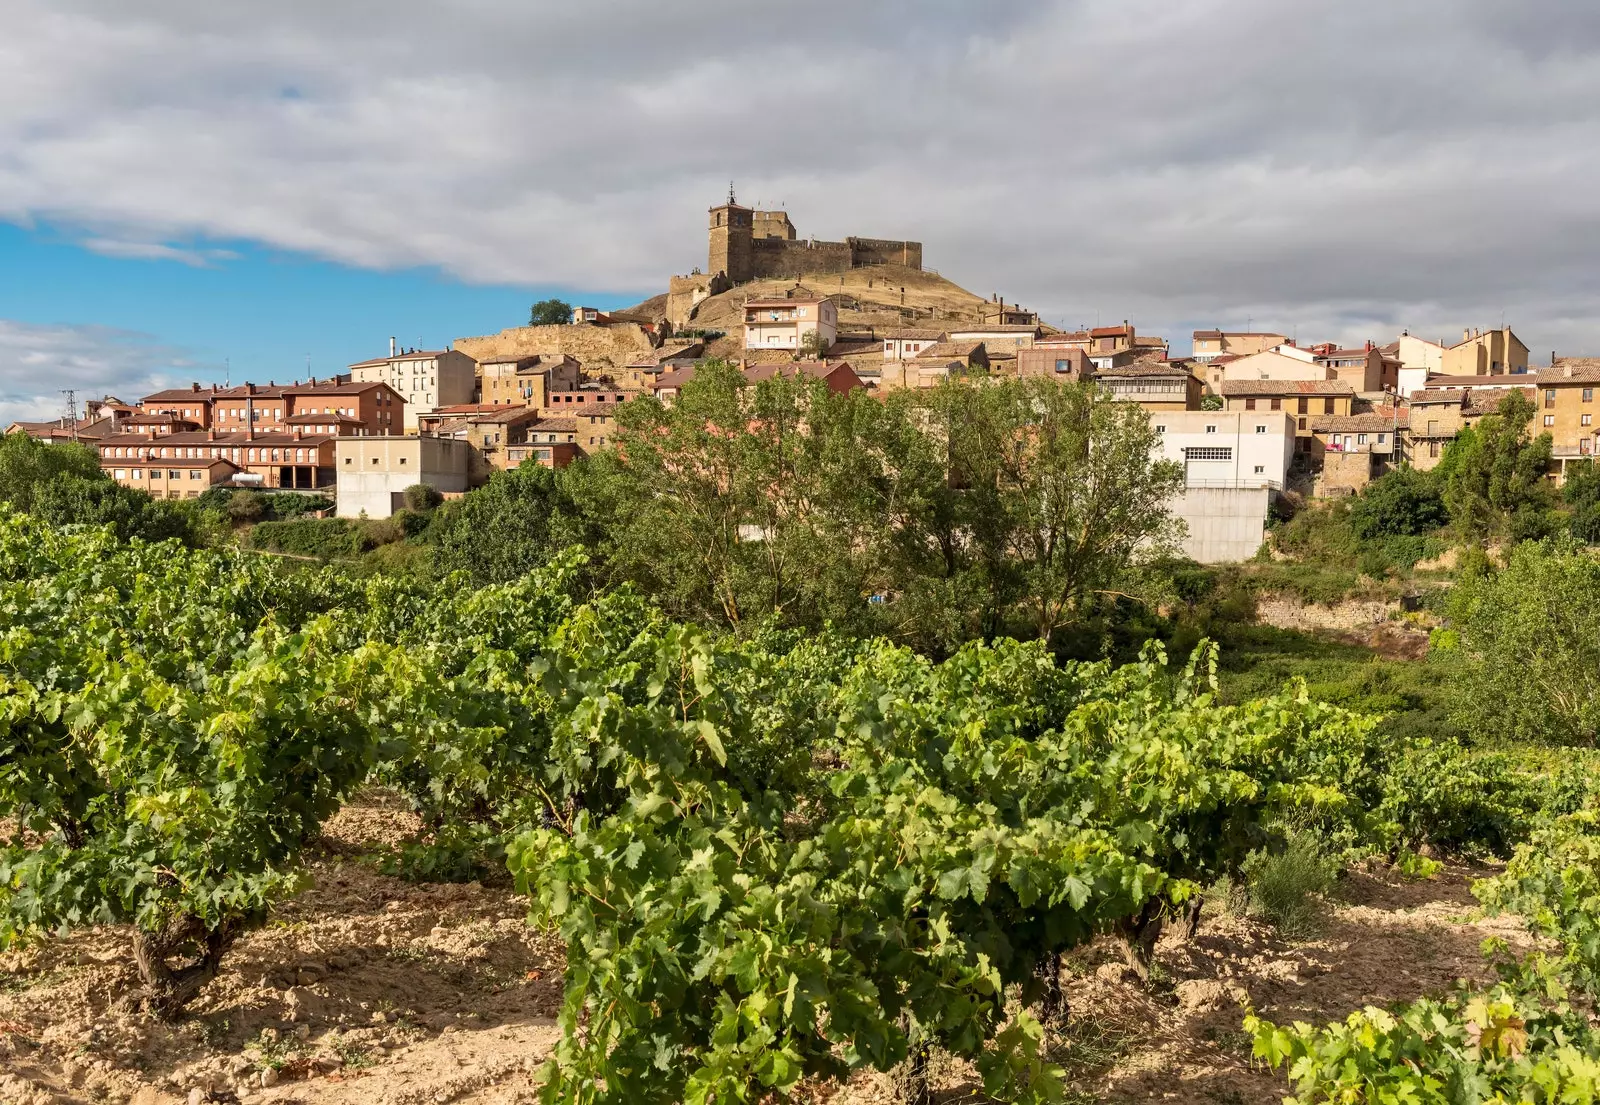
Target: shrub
{"x": 422, "y": 498}
{"x": 1402, "y": 503}
{"x": 1285, "y": 887}
{"x": 247, "y": 506}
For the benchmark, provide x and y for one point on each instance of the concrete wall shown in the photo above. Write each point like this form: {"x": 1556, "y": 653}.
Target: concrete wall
{"x": 1225, "y": 524}
{"x": 1256, "y": 439}
{"x": 373, "y": 471}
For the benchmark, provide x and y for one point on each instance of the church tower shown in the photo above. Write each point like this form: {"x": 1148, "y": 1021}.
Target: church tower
{"x": 731, "y": 231}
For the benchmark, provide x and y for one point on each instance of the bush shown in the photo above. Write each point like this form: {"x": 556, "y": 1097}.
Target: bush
{"x": 422, "y": 498}
{"x": 247, "y": 506}
{"x": 1286, "y": 887}
{"x": 1402, "y": 503}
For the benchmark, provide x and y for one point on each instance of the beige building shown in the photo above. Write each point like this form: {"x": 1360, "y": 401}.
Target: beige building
{"x": 1352, "y": 450}
{"x": 785, "y": 323}
{"x": 902, "y": 345}
{"x": 374, "y": 472}
{"x": 425, "y": 379}
{"x": 524, "y": 381}
{"x": 1282, "y": 363}
{"x": 1567, "y": 405}
{"x": 1304, "y": 399}
{"x": 998, "y": 337}
{"x": 1154, "y": 385}
{"x": 1485, "y": 353}
{"x": 1211, "y": 344}
{"x": 1437, "y": 415}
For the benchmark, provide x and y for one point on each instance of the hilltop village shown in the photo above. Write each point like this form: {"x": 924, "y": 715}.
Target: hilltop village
{"x": 1249, "y": 415}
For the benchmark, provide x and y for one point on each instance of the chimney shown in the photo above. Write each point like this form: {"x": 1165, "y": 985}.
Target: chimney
{"x": 194, "y": 386}
{"x": 297, "y": 433}
{"x": 393, "y": 349}
{"x": 249, "y": 389}
{"x": 211, "y": 435}
{"x": 1566, "y": 369}
{"x": 1369, "y": 345}
{"x": 1466, "y": 334}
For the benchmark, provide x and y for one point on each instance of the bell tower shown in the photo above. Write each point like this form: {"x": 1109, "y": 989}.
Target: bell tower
{"x": 731, "y": 232}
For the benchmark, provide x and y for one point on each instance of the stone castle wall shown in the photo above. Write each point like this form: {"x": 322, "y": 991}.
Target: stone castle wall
{"x": 776, "y": 257}
{"x": 881, "y": 251}
{"x": 592, "y": 346}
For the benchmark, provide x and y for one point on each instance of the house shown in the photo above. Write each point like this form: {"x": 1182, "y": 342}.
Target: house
{"x": 1419, "y": 359}
{"x": 1304, "y": 399}
{"x": 1365, "y": 368}
{"x": 287, "y": 459}
{"x": 102, "y": 422}
{"x": 1565, "y": 395}
{"x": 591, "y": 315}
{"x": 997, "y": 337}
{"x": 788, "y": 323}
{"x": 1154, "y": 385}
{"x": 1235, "y": 464}
{"x": 374, "y": 472}
{"x": 525, "y": 381}
{"x": 337, "y": 407}
{"x": 424, "y": 379}
{"x": 1110, "y": 339}
{"x": 1063, "y": 361}
{"x": 1001, "y": 314}
{"x": 549, "y": 442}
{"x": 902, "y": 345}
{"x": 1437, "y": 415}
{"x": 589, "y": 395}
{"x": 1352, "y": 450}
{"x": 1208, "y": 345}
{"x": 1485, "y": 353}
{"x": 174, "y": 478}
{"x": 640, "y": 372}
{"x": 839, "y": 376}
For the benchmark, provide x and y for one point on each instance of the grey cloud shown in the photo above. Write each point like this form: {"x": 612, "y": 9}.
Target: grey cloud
{"x": 38, "y": 362}
{"x": 1347, "y": 168}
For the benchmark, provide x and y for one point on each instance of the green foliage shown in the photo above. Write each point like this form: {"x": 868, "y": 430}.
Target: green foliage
{"x": 1286, "y": 885}
{"x": 1211, "y": 403}
{"x": 248, "y": 505}
{"x": 1492, "y": 475}
{"x": 550, "y": 312}
{"x": 1554, "y": 882}
{"x": 63, "y": 484}
{"x": 422, "y": 498}
{"x": 1401, "y": 503}
{"x": 28, "y": 466}
{"x": 1581, "y": 491}
{"x": 513, "y": 525}
{"x": 1527, "y": 667}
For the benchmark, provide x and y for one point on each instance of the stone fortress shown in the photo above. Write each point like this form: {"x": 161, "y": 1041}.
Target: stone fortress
{"x": 746, "y": 245}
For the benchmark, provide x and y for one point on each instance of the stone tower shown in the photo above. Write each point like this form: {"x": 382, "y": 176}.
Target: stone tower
{"x": 731, "y": 232}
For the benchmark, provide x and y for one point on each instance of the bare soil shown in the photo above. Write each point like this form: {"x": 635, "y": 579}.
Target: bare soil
{"x": 372, "y": 990}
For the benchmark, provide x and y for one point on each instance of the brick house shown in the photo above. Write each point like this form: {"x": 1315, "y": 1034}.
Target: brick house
{"x": 1304, "y": 399}
{"x": 1352, "y": 450}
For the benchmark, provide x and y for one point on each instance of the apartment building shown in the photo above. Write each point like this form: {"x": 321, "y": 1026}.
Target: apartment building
{"x": 787, "y": 323}
{"x": 1436, "y": 416}
{"x": 424, "y": 379}
{"x": 1304, "y": 399}
{"x": 340, "y": 408}
{"x": 1350, "y": 451}
{"x": 283, "y": 459}
{"x": 1419, "y": 359}
{"x": 374, "y": 472}
{"x": 1485, "y": 353}
{"x": 1154, "y": 385}
{"x": 1565, "y": 395}
{"x": 525, "y": 381}
{"x": 549, "y": 442}
{"x": 1208, "y": 345}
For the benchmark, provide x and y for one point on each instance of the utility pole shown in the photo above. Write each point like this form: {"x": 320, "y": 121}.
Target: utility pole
{"x": 72, "y": 410}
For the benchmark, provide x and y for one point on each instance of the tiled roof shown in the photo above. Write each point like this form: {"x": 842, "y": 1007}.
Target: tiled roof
{"x": 1143, "y": 368}
{"x": 554, "y": 426}
{"x": 1487, "y": 402}
{"x": 1338, "y": 423}
{"x": 915, "y": 335}
{"x": 1430, "y": 396}
{"x": 817, "y": 370}
{"x": 313, "y": 416}
{"x": 995, "y": 328}
{"x": 1500, "y": 380}
{"x": 1286, "y": 387}
{"x": 167, "y": 462}
{"x": 962, "y": 350}
{"x": 204, "y": 437}
{"x": 1108, "y": 331}
{"x": 419, "y": 355}
{"x": 1570, "y": 370}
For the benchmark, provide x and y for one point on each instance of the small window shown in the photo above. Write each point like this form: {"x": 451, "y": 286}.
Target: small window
{"x": 1361, "y": 439}
{"x": 1433, "y": 448}
{"x": 347, "y": 460}
{"x": 1303, "y": 405}
{"x": 1382, "y": 438}
{"x": 1260, "y": 469}
{"x": 1302, "y": 423}
{"x": 1249, "y": 404}
{"x": 402, "y": 460}
{"x": 1586, "y": 419}
{"x": 1277, "y": 404}
{"x": 1161, "y": 429}
{"x": 1549, "y": 420}
{"x": 1261, "y": 429}
{"x": 1211, "y": 429}
{"x": 1588, "y": 395}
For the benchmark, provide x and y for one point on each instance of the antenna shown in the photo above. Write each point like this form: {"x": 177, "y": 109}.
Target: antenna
{"x": 227, "y": 372}
{"x": 72, "y": 411}
{"x": 731, "y": 200}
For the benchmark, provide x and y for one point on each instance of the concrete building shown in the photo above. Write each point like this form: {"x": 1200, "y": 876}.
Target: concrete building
{"x": 1234, "y": 464}
{"x": 374, "y": 472}
{"x": 785, "y": 323}
{"x": 425, "y": 379}
{"x": 173, "y": 478}
{"x": 1485, "y": 353}
{"x": 1419, "y": 359}
{"x": 1211, "y": 344}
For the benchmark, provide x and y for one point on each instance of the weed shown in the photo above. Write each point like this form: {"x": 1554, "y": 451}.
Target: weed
{"x": 352, "y": 1055}
{"x": 1417, "y": 868}
{"x": 1286, "y": 886}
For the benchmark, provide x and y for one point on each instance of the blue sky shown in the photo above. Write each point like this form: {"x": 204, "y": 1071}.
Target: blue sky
{"x": 192, "y": 308}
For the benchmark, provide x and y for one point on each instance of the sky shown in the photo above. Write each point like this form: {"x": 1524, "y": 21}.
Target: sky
{"x": 194, "y": 190}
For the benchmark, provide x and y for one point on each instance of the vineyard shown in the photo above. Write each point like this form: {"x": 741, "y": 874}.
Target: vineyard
{"x": 775, "y": 861}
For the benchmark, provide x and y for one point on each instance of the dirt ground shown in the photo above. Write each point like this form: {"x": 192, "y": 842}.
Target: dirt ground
{"x": 372, "y": 990}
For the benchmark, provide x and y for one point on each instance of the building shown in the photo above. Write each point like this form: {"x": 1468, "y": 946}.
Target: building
{"x": 747, "y": 245}
{"x": 1235, "y": 463}
{"x": 1154, "y": 385}
{"x": 997, "y": 337}
{"x": 1350, "y": 451}
{"x": 104, "y": 418}
{"x": 174, "y": 478}
{"x": 374, "y": 472}
{"x": 933, "y": 364}
{"x": 1365, "y": 369}
{"x": 999, "y": 313}
{"x": 286, "y": 459}
{"x": 1485, "y": 353}
{"x": 525, "y": 381}
{"x": 1437, "y": 415}
{"x": 642, "y": 370}
{"x": 1304, "y": 399}
{"x": 591, "y": 315}
{"x": 787, "y": 323}
{"x": 549, "y": 442}
{"x": 902, "y": 345}
{"x": 1211, "y": 344}
{"x": 341, "y": 408}
{"x": 1419, "y": 359}
{"x": 839, "y": 376}
{"x": 1566, "y": 403}
{"x": 424, "y": 379}
{"x": 1063, "y": 361}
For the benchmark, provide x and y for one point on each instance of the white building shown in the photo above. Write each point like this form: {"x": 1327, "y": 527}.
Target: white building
{"x": 784, "y": 323}
{"x": 426, "y": 379}
{"x": 1234, "y": 463}
{"x": 374, "y": 472}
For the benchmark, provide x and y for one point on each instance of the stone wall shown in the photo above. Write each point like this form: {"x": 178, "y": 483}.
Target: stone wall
{"x": 881, "y": 251}
{"x": 775, "y": 257}
{"x": 595, "y": 347}
{"x": 1344, "y": 473}
{"x": 686, "y": 293}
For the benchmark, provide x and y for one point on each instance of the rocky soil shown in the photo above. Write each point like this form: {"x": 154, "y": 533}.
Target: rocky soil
{"x": 372, "y": 990}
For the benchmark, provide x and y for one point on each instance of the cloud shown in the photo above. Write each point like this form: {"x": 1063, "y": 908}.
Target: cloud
{"x": 38, "y": 363}
{"x": 156, "y": 251}
{"x": 1340, "y": 168}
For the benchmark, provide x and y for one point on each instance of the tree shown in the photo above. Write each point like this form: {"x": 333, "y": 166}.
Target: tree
{"x": 1402, "y": 503}
{"x": 1492, "y": 475}
{"x": 1526, "y": 660}
{"x": 550, "y": 312}
{"x": 27, "y": 466}
{"x": 422, "y": 498}
{"x": 510, "y": 526}
{"x": 1063, "y": 496}
{"x": 813, "y": 347}
{"x": 1581, "y": 490}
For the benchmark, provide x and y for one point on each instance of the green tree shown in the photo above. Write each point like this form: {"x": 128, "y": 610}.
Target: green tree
{"x": 28, "y": 466}
{"x": 510, "y": 526}
{"x": 1526, "y": 665}
{"x": 813, "y": 347}
{"x": 1063, "y": 498}
{"x": 1581, "y": 490}
{"x": 1493, "y": 475}
{"x": 550, "y": 312}
{"x": 1402, "y": 503}
{"x": 422, "y": 498}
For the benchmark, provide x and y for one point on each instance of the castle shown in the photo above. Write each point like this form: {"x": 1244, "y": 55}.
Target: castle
{"x": 746, "y": 244}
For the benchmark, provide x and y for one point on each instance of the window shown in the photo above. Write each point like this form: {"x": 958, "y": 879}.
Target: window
{"x": 1261, "y": 429}
{"x": 1249, "y": 404}
{"x": 1433, "y": 448}
{"x": 1588, "y": 395}
{"x": 121, "y": 473}
{"x": 1361, "y": 439}
{"x": 402, "y": 460}
{"x": 1382, "y": 438}
{"x": 1549, "y": 420}
{"x": 1208, "y": 452}
{"x": 194, "y": 473}
{"x": 1260, "y": 469}
{"x": 1301, "y": 423}
{"x": 138, "y": 473}
{"x": 1549, "y": 397}
{"x": 1584, "y": 420}
{"x": 1211, "y": 429}
{"x": 1302, "y": 406}
{"x": 173, "y": 474}
{"x": 1277, "y": 404}
{"x": 1161, "y": 429}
